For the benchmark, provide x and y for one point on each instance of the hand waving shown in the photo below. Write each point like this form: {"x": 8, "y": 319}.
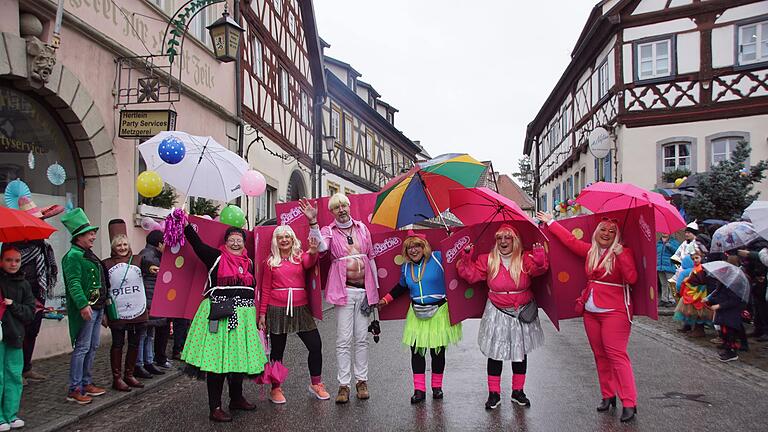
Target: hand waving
{"x": 308, "y": 209}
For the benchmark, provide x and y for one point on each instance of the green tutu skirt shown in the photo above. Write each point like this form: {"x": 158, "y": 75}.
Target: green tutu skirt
{"x": 227, "y": 351}
{"x": 434, "y": 332}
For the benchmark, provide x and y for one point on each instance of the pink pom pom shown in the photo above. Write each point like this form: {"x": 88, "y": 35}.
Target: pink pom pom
{"x": 174, "y": 228}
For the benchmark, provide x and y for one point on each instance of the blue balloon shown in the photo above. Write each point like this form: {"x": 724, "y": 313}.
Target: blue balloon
{"x": 171, "y": 150}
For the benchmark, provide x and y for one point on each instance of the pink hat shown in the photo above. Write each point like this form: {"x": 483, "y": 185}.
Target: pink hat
{"x": 412, "y": 233}
{"x": 26, "y": 204}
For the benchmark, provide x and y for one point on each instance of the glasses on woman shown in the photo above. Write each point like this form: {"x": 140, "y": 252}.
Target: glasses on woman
{"x": 613, "y": 220}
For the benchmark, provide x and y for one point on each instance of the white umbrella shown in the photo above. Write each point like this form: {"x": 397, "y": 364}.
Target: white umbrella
{"x": 733, "y": 236}
{"x": 757, "y": 212}
{"x": 731, "y": 276}
{"x": 209, "y": 170}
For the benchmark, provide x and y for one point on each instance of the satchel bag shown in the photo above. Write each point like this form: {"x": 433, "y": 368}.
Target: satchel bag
{"x": 529, "y": 312}
{"x": 423, "y": 311}
{"x": 221, "y": 307}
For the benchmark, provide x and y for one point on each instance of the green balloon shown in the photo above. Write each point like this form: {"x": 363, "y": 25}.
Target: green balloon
{"x": 233, "y": 215}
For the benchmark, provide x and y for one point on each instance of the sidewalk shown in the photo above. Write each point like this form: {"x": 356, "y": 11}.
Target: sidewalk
{"x": 44, "y": 406}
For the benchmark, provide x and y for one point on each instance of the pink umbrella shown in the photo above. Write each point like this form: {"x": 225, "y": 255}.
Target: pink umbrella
{"x": 604, "y": 197}
{"x": 274, "y": 371}
{"x": 482, "y": 205}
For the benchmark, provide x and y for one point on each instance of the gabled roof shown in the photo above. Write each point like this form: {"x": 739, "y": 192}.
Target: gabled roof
{"x": 342, "y": 64}
{"x": 511, "y": 190}
{"x": 386, "y": 105}
{"x": 369, "y": 87}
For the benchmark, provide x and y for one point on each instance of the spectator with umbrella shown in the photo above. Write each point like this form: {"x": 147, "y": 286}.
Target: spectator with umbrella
{"x": 727, "y": 301}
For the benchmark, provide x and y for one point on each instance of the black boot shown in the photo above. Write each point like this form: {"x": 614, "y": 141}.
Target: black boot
{"x": 418, "y": 396}
{"x": 518, "y": 397}
{"x": 628, "y": 414}
{"x": 606, "y": 404}
{"x": 437, "y": 393}
{"x": 140, "y": 372}
{"x": 494, "y": 399}
{"x": 153, "y": 369}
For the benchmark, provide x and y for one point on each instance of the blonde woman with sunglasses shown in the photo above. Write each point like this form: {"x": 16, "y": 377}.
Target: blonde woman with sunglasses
{"x": 504, "y": 334}
{"x": 605, "y": 303}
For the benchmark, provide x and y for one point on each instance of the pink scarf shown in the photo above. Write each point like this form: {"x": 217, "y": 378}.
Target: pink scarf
{"x": 234, "y": 270}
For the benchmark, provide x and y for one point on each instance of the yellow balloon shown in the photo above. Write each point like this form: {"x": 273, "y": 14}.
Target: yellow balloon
{"x": 679, "y": 181}
{"x": 149, "y": 184}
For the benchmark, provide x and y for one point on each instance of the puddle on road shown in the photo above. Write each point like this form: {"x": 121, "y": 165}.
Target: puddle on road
{"x": 677, "y": 396}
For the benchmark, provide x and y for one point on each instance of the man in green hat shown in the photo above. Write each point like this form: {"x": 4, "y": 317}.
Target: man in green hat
{"x": 86, "y": 293}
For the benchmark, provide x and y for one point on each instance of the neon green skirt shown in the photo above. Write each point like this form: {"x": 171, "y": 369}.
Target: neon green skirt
{"x": 432, "y": 332}
{"x": 227, "y": 351}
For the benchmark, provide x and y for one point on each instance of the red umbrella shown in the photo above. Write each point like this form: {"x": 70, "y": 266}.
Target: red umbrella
{"x": 482, "y": 205}
{"x": 17, "y": 225}
{"x": 605, "y": 197}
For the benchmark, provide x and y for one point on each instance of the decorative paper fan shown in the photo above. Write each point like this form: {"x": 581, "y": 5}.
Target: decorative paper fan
{"x": 15, "y": 190}
{"x": 31, "y": 160}
{"x": 56, "y": 174}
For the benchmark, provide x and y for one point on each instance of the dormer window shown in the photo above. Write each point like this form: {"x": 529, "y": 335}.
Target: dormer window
{"x": 371, "y": 100}
{"x": 391, "y": 117}
{"x": 351, "y": 82}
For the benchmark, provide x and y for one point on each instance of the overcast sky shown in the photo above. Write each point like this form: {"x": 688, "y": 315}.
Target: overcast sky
{"x": 466, "y": 76}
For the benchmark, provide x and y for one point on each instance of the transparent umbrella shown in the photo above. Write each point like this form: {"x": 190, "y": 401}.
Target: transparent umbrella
{"x": 731, "y": 276}
{"x": 732, "y": 236}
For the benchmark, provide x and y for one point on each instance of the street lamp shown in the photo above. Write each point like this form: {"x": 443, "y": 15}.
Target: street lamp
{"x": 329, "y": 146}
{"x": 225, "y": 34}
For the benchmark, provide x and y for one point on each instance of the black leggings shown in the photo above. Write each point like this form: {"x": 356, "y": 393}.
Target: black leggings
{"x": 215, "y": 383}
{"x": 134, "y": 332}
{"x": 419, "y": 363}
{"x": 311, "y": 340}
{"x": 518, "y": 368}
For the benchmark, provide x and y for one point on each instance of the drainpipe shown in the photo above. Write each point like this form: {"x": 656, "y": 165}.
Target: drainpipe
{"x": 239, "y": 97}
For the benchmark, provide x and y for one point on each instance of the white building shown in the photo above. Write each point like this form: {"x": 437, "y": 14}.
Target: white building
{"x": 676, "y": 83}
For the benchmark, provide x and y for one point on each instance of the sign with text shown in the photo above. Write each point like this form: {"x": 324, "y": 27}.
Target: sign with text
{"x": 145, "y": 123}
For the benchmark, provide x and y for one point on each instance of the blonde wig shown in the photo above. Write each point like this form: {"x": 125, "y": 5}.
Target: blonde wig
{"x": 413, "y": 240}
{"x": 275, "y": 258}
{"x": 494, "y": 258}
{"x": 337, "y": 200}
{"x": 116, "y": 240}
{"x": 593, "y": 256}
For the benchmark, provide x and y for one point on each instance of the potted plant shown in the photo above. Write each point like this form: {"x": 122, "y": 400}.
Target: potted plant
{"x": 672, "y": 175}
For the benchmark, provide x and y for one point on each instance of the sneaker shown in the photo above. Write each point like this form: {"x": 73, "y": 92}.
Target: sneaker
{"x": 92, "y": 390}
{"x": 318, "y": 390}
{"x": 362, "y": 390}
{"x": 76, "y": 396}
{"x": 716, "y": 340}
{"x": 166, "y": 365}
{"x": 343, "y": 396}
{"x": 5, "y": 427}
{"x": 276, "y": 396}
{"x": 34, "y": 376}
{"x": 494, "y": 399}
{"x": 728, "y": 356}
{"x": 518, "y": 397}
{"x": 17, "y": 423}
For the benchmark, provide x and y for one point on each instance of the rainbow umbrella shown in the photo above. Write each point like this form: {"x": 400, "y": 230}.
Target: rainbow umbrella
{"x": 422, "y": 192}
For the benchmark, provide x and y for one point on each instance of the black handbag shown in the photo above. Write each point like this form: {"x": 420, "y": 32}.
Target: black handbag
{"x": 221, "y": 307}
{"x": 529, "y": 312}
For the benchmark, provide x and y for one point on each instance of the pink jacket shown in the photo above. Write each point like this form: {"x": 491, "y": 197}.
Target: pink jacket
{"x": 331, "y": 238}
{"x": 287, "y": 275}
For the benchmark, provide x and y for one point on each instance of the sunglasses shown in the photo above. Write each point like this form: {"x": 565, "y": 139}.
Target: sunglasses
{"x": 613, "y": 220}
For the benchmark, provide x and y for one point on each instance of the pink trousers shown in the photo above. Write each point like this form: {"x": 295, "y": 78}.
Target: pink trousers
{"x": 608, "y": 335}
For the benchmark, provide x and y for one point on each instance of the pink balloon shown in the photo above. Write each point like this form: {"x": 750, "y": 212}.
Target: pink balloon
{"x": 253, "y": 183}
{"x": 149, "y": 224}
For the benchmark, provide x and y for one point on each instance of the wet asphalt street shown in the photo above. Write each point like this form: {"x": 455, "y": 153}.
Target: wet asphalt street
{"x": 679, "y": 390}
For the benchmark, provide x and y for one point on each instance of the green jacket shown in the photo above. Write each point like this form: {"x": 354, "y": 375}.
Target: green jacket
{"x": 19, "y": 313}
{"x": 83, "y": 276}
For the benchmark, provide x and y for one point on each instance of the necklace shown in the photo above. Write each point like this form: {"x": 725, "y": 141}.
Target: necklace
{"x": 423, "y": 264}
{"x": 350, "y": 241}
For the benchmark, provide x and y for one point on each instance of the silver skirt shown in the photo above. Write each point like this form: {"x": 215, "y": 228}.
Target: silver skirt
{"x": 503, "y": 337}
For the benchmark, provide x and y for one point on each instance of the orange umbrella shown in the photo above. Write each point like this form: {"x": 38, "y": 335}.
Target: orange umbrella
{"x": 17, "y": 225}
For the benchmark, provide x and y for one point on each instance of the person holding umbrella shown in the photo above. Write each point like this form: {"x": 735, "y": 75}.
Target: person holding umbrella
{"x": 352, "y": 287}
{"x": 605, "y": 303}
{"x": 284, "y": 309}
{"x": 428, "y": 325}
{"x": 727, "y": 301}
{"x": 510, "y": 327}
{"x": 223, "y": 341}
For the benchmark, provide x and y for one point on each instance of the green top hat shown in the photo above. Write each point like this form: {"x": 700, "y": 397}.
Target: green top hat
{"x": 77, "y": 222}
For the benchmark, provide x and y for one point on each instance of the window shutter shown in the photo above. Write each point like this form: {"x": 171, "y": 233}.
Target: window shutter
{"x": 597, "y": 169}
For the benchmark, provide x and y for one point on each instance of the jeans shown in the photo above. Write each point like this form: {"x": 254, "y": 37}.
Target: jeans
{"x": 665, "y": 294}
{"x": 146, "y": 348}
{"x": 86, "y": 344}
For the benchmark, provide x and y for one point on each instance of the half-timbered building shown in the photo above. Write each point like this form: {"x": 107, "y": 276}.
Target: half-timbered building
{"x": 282, "y": 80}
{"x": 675, "y": 83}
{"x": 368, "y": 150}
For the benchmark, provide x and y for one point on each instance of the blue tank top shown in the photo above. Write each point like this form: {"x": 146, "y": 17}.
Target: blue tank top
{"x": 431, "y": 287}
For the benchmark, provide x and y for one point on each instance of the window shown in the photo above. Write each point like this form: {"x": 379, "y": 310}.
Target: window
{"x": 284, "y": 92}
{"x": 677, "y": 156}
{"x": 264, "y": 204}
{"x": 753, "y": 43}
{"x": 369, "y": 146}
{"x": 292, "y": 23}
{"x": 603, "y": 79}
{"x": 335, "y": 116}
{"x": 333, "y": 188}
{"x": 304, "y": 107}
{"x": 543, "y": 204}
{"x": 351, "y": 81}
{"x": 654, "y": 59}
{"x": 348, "y": 142}
{"x": 723, "y": 147}
{"x": 583, "y": 179}
{"x": 576, "y": 183}
{"x": 603, "y": 169}
{"x": 390, "y": 117}
{"x": 565, "y": 121}
{"x": 198, "y": 24}
{"x": 278, "y": 7}
{"x": 348, "y": 191}
{"x": 371, "y": 100}
{"x": 257, "y": 58}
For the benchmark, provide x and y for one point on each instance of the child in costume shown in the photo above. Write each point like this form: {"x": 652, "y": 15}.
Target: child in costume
{"x": 284, "y": 307}
{"x": 692, "y": 288}
{"x": 508, "y": 270}
{"x": 428, "y": 325}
